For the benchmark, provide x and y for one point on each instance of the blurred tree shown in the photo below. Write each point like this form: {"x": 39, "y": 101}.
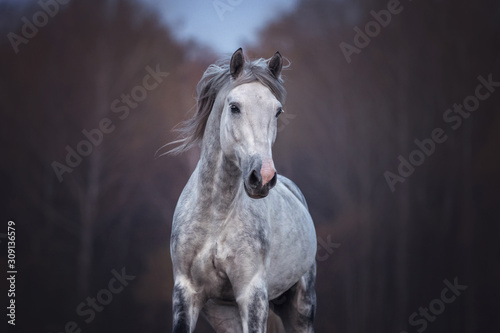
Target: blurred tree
{"x": 114, "y": 207}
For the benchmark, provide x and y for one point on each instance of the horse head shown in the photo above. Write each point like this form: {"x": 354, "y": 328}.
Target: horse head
{"x": 249, "y": 126}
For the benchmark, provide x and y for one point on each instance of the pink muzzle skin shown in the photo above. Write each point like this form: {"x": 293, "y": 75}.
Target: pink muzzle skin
{"x": 267, "y": 170}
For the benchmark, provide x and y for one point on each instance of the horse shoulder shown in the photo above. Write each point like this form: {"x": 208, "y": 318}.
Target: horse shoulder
{"x": 184, "y": 214}
{"x": 186, "y": 201}
{"x": 294, "y": 189}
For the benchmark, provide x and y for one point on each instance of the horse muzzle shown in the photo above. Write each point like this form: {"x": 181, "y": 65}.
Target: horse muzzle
{"x": 260, "y": 178}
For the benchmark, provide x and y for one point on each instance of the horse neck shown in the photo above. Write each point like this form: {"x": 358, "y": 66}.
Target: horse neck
{"x": 219, "y": 178}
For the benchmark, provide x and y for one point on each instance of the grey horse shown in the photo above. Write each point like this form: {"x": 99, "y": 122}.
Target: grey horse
{"x": 243, "y": 241}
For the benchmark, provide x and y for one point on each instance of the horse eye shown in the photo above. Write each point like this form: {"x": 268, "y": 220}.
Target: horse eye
{"x": 234, "y": 109}
{"x": 280, "y": 111}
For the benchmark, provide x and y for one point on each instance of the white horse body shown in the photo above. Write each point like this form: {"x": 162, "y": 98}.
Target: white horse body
{"x": 287, "y": 223}
{"x": 237, "y": 245}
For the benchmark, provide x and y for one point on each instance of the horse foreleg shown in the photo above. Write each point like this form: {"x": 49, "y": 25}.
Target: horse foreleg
{"x": 254, "y": 307}
{"x": 186, "y": 306}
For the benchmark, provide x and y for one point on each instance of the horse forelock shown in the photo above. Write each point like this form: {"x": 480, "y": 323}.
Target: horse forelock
{"x": 217, "y": 80}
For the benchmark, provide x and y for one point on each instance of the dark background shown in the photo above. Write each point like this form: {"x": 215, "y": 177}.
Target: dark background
{"x": 347, "y": 124}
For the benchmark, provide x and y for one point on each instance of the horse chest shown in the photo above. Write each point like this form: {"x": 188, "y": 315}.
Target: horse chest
{"x": 236, "y": 247}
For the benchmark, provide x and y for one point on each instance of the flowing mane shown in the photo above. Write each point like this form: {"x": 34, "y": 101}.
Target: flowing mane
{"x": 215, "y": 79}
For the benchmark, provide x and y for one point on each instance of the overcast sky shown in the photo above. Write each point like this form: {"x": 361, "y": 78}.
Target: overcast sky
{"x": 222, "y": 24}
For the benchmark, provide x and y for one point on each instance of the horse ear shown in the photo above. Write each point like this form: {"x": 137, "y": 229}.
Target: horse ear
{"x": 237, "y": 63}
{"x": 275, "y": 65}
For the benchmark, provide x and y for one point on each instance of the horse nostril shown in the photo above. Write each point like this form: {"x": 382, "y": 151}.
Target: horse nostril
{"x": 254, "y": 179}
{"x": 272, "y": 182}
